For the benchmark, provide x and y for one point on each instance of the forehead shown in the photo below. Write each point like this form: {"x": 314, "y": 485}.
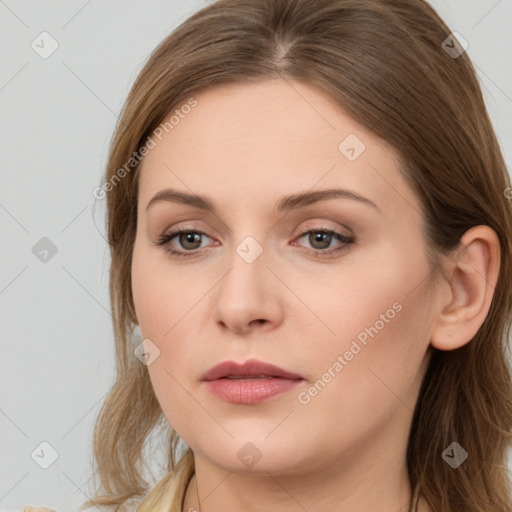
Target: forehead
{"x": 257, "y": 142}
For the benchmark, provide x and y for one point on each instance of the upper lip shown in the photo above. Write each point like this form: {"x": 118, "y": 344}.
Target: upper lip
{"x": 251, "y": 368}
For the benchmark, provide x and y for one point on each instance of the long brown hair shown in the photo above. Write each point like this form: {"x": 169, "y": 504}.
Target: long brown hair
{"x": 386, "y": 62}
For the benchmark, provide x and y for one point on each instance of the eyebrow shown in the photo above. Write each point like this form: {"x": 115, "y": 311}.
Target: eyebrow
{"x": 284, "y": 204}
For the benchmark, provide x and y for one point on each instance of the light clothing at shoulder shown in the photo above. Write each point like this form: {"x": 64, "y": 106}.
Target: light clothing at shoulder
{"x": 29, "y": 508}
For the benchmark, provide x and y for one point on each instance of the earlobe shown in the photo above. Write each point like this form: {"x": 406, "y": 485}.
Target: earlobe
{"x": 472, "y": 278}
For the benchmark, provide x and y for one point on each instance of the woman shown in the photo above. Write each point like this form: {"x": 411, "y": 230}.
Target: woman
{"x": 310, "y": 195}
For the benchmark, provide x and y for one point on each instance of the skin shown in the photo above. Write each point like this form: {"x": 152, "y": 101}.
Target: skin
{"x": 245, "y": 146}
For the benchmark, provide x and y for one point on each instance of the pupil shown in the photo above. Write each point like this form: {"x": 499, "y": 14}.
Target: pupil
{"x": 319, "y": 237}
{"x": 189, "y": 237}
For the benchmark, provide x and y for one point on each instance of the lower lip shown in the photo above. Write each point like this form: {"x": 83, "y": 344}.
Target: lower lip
{"x": 250, "y": 391}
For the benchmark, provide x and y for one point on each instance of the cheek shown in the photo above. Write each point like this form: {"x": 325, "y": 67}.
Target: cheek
{"x": 381, "y": 319}
{"x": 159, "y": 306}
{"x": 161, "y": 295}
{"x": 371, "y": 297}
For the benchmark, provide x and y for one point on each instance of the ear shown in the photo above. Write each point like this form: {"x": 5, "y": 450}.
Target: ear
{"x": 471, "y": 280}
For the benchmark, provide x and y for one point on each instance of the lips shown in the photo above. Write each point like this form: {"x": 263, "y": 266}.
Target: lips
{"x": 249, "y": 383}
{"x": 250, "y": 369}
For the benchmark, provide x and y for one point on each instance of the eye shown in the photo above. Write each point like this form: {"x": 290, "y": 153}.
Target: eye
{"x": 321, "y": 238}
{"x": 188, "y": 239}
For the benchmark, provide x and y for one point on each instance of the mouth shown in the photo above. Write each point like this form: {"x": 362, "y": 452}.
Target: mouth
{"x": 249, "y": 383}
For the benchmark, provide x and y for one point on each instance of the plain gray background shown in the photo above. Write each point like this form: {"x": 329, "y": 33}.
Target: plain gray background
{"x": 57, "y": 115}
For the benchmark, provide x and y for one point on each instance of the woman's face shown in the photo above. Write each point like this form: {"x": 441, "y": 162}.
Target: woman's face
{"x": 353, "y": 320}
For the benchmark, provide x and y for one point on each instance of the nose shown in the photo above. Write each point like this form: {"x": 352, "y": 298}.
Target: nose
{"x": 248, "y": 297}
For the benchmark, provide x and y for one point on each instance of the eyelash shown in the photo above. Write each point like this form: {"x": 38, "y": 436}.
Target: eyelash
{"x": 163, "y": 241}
